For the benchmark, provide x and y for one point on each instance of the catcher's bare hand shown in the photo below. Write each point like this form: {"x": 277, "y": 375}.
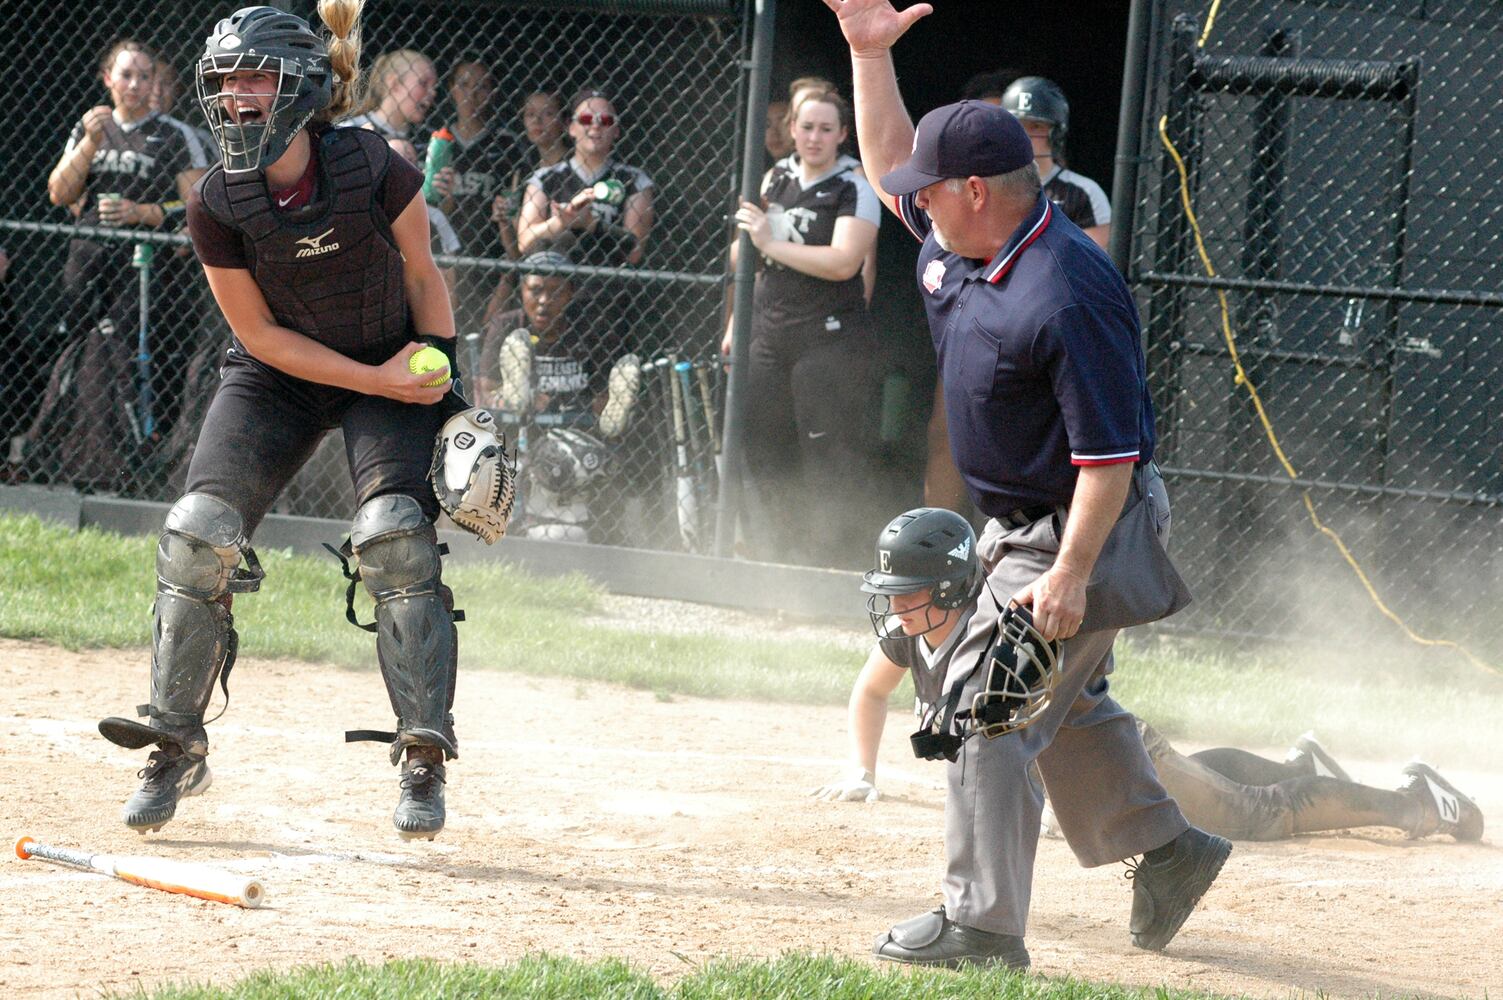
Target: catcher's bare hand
{"x": 395, "y": 380}
{"x": 1057, "y": 600}
{"x": 871, "y": 27}
{"x": 857, "y": 785}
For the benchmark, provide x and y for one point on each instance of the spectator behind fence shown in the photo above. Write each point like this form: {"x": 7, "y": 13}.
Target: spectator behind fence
{"x": 809, "y": 384}
{"x": 542, "y": 117}
{"x": 486, "y": 160}
{"x": 563, "y": 210}
{"x": 798, "y": 91}
{"x": 403, "y": 85}
{"x": 778, "y": 139}
{"x": 441, "y": 235}
{"x": 131, "y": 167}
{"x": 545, "y": 360}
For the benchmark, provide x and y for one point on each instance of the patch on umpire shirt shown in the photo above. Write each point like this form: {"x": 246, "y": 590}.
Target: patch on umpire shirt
{"x": 933, "y": 275}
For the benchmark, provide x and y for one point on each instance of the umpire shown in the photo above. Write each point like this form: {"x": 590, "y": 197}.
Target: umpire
{"x": 1051, "y": 427}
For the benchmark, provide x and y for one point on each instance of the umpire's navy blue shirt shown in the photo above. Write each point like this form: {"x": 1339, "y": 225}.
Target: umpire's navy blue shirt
{"x": 1041, "y": 360}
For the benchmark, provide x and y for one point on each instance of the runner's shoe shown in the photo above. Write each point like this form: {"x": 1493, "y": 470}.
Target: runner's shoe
{"x": 1310, "y": 755}
{"x": 169, "y": 775}
{"x": 1443, "y": 808}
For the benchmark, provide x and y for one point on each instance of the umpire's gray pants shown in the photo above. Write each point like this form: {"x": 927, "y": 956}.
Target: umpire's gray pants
{"x": 1106, "y": 797}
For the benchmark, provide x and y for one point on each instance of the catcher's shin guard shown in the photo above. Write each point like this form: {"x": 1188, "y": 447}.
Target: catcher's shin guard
{"x": 417, "y": 644}
{"x": 193, "y": 636}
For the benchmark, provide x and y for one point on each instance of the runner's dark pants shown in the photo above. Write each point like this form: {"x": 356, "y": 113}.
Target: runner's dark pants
{"x": 808, "y": 427}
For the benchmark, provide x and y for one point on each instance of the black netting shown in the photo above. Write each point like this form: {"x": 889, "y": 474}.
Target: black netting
{"x": 1347, "y": 208}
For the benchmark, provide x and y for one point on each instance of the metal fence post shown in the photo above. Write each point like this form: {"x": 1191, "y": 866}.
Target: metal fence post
{"x": 751, "y": 175}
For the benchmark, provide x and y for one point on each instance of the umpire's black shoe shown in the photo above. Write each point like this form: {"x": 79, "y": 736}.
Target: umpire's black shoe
{"x": 169, "y": 775}
{"x": 1443, "y": 809}
{"x": 1165, "y": 891}
{"x": 934, "y": 939}
{"x": 420, "y": 810}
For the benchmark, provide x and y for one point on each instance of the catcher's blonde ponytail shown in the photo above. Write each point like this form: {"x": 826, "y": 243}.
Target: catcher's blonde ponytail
{"x": 342, "y": 18}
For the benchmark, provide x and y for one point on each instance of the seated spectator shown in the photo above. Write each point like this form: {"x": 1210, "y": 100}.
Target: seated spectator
{"x": 128, "y": 166}
{"x": 545, "y": 368}
{"x": 561, "y": 209}
{"x": 543, "y": 122}
{"x": 441, "y": 233}
{"x": 403, "y": 85}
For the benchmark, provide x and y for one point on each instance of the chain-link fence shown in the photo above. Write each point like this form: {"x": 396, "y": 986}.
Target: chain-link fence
{"x": 594, "y": 337}
{"x": 1346, "y": 201}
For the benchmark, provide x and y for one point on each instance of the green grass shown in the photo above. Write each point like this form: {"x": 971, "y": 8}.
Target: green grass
{"x": 90, "y": 589}
{"x": 542, "y": 977}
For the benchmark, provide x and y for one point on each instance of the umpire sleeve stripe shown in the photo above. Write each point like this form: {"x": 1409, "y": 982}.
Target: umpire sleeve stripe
{"x": 905, "y": 206}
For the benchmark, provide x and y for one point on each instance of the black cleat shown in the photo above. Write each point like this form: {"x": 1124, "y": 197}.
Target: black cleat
{"x": 1307, "y": 753}
{"x": 169, "y": 775}
{"x": 936, "y": 940}
{"x": 1443, "y": 808}
{"x": 420, "y": 810}
{"x": 1165, "y": 892}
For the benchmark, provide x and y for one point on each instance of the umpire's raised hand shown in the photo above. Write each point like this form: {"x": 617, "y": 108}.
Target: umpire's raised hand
{"x": 872, "y": 26}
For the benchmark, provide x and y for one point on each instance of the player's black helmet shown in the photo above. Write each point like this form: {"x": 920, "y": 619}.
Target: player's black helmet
{"x": 1041, "y": 100}
{"x": 273, "y": 41}
{"x": 927, "y": 548}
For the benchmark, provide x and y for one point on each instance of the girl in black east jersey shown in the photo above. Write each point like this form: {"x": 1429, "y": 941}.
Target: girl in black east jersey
{"x": 315, "y": 244}
{"x": 809, "y": 380}
{"x": 124, "y": 165}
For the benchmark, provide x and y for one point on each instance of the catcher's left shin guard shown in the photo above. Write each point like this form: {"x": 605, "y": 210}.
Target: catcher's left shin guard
{"x": 417, "y": 644}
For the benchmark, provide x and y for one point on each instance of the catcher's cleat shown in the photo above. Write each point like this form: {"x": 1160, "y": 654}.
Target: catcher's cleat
{"x": 515, "y": 364}
{"x": 1443, "y": 809}
{"x": 1164, "y": 892}
{"x": 934, "y": 939}
{"x": 169, "y": 775}
{"x": 624, "y": 383}
{"x": 420, "y": 810}
{"x": 1307, "y": 753}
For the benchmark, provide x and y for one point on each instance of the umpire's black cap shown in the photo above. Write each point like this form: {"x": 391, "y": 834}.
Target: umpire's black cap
{"x": 968, "y": 139}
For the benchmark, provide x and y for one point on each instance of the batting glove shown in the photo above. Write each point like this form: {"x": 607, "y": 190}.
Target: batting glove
{"x": 857, "y": 785}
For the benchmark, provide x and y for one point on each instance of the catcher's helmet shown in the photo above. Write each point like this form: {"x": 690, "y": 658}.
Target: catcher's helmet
{"x": 1038, "y": 99}
{"x": 568, "y": 461}
{"x": 927, "y": 548}
{"x": 263, "y": 39}
{"x": 1021, "y": 671}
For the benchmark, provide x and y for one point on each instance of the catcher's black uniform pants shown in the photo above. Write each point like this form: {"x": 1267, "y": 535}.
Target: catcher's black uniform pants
{"x": 809, "y": 419}
{"x": 264, "y": 424}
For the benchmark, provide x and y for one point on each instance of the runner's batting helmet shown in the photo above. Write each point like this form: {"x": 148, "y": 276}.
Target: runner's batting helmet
{"x": 1039, "y": 99}
{"x": 927, "y": 548}
{"x": 266, "y": 40}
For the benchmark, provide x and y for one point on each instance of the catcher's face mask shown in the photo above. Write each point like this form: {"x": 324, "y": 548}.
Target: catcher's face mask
{"x": 252, "y": 104}
{"x": 1021, "y": 672}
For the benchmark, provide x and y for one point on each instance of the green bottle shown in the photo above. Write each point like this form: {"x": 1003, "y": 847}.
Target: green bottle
{"x": 440, "y": 148}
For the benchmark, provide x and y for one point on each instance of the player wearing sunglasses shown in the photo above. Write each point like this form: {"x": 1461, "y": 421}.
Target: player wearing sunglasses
{"x": 561, "y": 211}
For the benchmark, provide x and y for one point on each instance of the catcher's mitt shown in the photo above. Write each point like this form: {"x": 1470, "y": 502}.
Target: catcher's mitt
{"x": 473, "y": 476}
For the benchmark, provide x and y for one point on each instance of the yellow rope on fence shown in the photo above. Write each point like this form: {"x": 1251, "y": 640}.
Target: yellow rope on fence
{"x": 1257, "y": 401}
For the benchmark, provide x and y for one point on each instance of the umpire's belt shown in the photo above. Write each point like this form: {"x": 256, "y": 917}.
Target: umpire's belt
{"x": 1024, "y": 516}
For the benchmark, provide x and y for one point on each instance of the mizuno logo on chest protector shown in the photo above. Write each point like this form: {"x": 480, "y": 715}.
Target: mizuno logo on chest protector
{"x": 313, "y": 246}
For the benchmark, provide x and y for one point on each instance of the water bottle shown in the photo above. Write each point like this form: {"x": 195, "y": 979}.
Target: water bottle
{"x": 440, "y": 148}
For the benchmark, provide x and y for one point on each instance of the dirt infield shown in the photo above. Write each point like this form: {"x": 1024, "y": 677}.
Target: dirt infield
{"x": 591, "y": 821}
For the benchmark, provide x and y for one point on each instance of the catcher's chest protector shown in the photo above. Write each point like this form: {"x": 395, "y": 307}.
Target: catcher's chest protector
{"x": 330, "y": 271}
